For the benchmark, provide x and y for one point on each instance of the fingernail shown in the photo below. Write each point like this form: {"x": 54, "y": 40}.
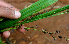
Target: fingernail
{"x": 9, "y": 33}
{"x": 17, "y": 14}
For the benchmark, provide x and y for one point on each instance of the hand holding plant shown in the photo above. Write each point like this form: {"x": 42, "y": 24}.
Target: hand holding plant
{"x": 9, "y": 11}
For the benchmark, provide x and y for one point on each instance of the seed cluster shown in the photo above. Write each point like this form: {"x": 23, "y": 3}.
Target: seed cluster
{"x": 44, "y": 31}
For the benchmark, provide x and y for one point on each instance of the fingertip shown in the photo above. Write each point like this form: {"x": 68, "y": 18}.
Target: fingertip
{"x": 17, "y": 14}
{"x": 6, "y": 34}
{"x": 9, "y": 13}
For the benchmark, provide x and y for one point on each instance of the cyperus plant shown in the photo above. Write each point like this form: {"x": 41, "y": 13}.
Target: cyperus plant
{"x": 35, "y": 7}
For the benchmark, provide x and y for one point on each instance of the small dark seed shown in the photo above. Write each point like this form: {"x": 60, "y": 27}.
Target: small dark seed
{"x": 56, "y": 31}
{"x": 26, "y": 29}
{"x": 59, "y": 31}
{"x": 66, "y": 39}
{"x": 50, "y": 33}
{"x": 31, "y": 27}
{"x": 53, "y": 36}
{"x": 36, "y": 25}
{"x": 60, "y": 36}
{"x": 44, "y": 32}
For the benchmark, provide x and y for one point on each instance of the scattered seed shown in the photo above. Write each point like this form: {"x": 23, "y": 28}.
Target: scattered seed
{"x": 56, "y": 31}
{"x": 66, "y": 39}
{"x": 34, "y": 29}
{"x": 60, "y": 36}
{"x": 25, "y": 27}
{"x": 28, "y": 28}
{"x": 45, "y": 30}
{"x": 59, "y": 32}
{"x": 36, "y": 26}
{"x": 53, "y": 36}
{"x": 42, "y": 30}
{"x": 50, "y": 33}
{"x": 39, "y": 30}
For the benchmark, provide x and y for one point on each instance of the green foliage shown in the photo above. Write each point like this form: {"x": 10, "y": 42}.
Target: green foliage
{"x": 35, "y": 7}
{"x": 2, "y": 19}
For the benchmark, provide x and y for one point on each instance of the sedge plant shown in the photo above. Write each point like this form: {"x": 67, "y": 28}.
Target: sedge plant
{"x": 26, "y": 12}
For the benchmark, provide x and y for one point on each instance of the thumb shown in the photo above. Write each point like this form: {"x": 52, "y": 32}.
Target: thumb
{"x": 9, "y": 13}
